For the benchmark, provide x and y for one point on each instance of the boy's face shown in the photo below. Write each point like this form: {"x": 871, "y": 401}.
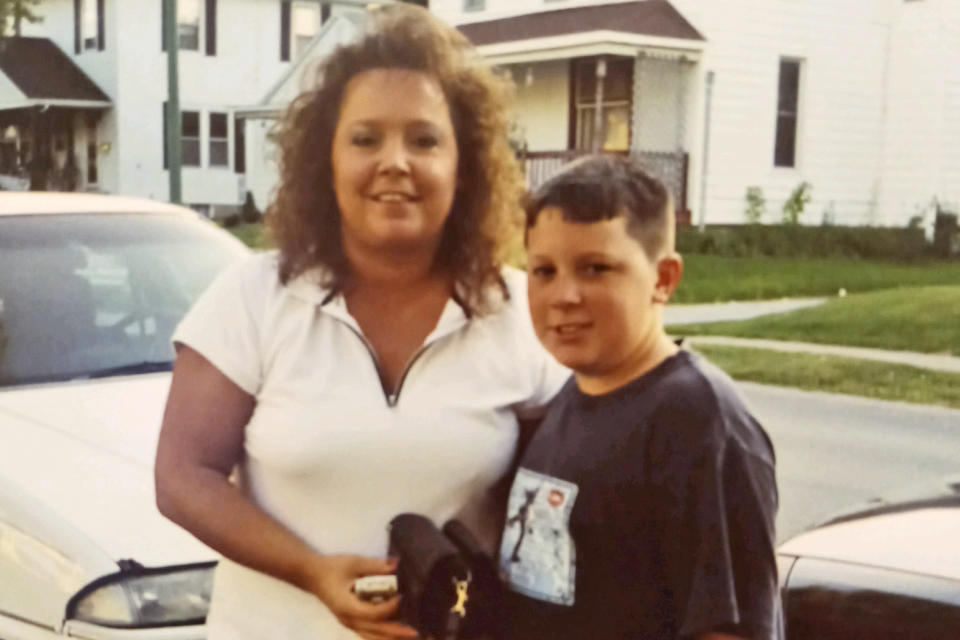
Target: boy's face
{"x": 595, "y": 295}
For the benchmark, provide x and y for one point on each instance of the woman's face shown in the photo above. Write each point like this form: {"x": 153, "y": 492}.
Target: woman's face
{"x": 394, "y": 162}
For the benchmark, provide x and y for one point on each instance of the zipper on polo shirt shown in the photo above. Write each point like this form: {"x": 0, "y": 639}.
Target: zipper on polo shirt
{"x": 392, "y": 396}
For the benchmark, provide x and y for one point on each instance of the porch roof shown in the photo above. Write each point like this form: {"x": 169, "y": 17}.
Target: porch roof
{"x": 646, "y": 17}
{"x": 35, "y": 71}
{"x": 619, "y": 28}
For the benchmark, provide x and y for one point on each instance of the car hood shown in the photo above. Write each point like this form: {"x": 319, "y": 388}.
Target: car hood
{"x": 83, "y": 453}
{"x": 918, "y": 534}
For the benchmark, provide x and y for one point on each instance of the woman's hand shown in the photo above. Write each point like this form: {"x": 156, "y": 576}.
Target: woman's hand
{"x": 331, "y": 580}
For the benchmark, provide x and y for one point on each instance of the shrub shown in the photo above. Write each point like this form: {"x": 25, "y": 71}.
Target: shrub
{"x": 796, "y": 203}
{"x": 796, "y": 241}
{"x": 249, "y": 212}
{"x": 231, "y": 220}
{"x": 756, "y": 205}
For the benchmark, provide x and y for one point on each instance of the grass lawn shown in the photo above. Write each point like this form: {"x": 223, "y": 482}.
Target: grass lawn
{"x": 252, "y": 235}
{"x": 837, "y": 375}
{"x": 925, "y": 319}
{"x": 715, "y": 278}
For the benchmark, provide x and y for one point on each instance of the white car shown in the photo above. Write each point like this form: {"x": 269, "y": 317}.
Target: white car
{"x": 91, "y": 288}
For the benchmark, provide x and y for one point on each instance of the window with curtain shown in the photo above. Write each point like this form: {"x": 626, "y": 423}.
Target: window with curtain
{"x": 189, "y": 14}
{"x": 305, "y": 25}
{"x": 614, "y": 107}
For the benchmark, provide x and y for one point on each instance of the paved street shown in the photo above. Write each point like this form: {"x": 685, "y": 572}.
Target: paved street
{"x": 833, "y": 451}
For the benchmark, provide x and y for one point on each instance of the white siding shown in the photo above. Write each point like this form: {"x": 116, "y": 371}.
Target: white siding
{"x": 543, "y": 107}
{"x": 840, "y": 120}
{"x": 246, "y": 64}
{"x": 921, "y": 159}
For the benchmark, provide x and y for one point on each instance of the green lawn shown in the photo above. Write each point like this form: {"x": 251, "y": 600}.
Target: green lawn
{"x": 925, "y": 319}
{"x": 715, "y": 278}
{"x": 837, "y": 375}
{"x": 252, "y": 235}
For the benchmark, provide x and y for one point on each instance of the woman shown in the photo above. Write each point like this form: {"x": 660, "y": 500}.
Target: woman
{"x": 378, "y": 362}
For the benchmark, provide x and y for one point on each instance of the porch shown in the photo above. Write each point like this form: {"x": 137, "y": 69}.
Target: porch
{"x": 615, "y": 78}
{"x": 49, "y": 114}
{"x": 670, "y": 167}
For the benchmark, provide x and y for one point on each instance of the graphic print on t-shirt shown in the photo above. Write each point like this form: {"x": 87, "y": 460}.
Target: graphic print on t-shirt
{"x": 537, "y": 554}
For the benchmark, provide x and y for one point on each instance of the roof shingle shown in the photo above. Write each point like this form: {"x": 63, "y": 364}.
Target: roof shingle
{"x": 645, "y": 17}
{"x": 41, "y": 70}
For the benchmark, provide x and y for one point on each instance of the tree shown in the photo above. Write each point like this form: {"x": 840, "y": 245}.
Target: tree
{"x": 14, "y": 12}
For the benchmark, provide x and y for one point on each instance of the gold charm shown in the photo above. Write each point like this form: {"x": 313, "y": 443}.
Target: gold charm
{"x": 462, "y": 597}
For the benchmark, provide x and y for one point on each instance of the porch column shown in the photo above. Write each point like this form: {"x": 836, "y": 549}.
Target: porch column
{"x": 598, "y": 110}
{"x": 635, "y": 103}
{"x": 681, "y": 103}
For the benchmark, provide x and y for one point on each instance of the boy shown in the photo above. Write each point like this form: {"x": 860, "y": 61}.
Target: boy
{"x": 644, "y": 506}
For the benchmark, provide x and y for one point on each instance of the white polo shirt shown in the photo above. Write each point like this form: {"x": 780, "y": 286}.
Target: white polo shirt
{"x": 334, "y": 458}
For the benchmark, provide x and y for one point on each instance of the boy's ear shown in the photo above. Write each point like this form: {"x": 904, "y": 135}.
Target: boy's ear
{"x": 669, "y": 274}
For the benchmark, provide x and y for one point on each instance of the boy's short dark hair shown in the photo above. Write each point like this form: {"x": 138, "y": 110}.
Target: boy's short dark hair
{"x": 603, "y": 187}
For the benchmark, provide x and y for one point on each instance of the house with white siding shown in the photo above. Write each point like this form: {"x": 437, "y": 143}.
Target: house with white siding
{"x": 858, "y": 98}
{"x": 94, "y": 108}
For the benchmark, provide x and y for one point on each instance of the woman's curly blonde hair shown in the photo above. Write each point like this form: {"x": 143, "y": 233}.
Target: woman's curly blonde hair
{"x": 304, "y": 218}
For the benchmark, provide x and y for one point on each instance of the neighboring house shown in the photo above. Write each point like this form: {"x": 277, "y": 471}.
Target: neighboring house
{"x": 94, "y": 96}
{"x": 859, "y": 98}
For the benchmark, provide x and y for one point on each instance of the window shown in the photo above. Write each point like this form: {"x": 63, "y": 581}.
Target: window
{"x": 190, "y": 138}
{"x": 788, "y": 98}
{"x": 615, "y": 104}
{"x": 88, "y": 25}
{"x": 188, "y": 24}
{"x": 306, "y": 24}
{"x": 474, "y": 5}
{"x": 219, "y": 140}
{"x": 196, "y": 26}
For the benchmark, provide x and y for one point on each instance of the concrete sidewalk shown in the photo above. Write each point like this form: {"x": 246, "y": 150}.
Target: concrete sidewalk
{"x": 675, "y": 314}
{"x": 933, "y": 362}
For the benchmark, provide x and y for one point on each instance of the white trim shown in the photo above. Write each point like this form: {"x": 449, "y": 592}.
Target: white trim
{"x": 590, "y": 43}
{"x": 9, "y": 91}
{"x": 55, "y": 102}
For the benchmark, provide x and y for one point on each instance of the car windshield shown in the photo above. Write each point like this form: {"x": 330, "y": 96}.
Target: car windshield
{"x": 86, "y": 296}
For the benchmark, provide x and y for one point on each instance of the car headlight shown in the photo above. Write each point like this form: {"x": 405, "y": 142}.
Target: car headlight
{"x": 146, "y": 597}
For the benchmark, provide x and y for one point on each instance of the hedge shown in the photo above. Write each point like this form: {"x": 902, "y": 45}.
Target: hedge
{"x": 795, "y": 241}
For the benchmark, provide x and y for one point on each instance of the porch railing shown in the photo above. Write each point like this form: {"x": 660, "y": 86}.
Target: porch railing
{"x": 670, "y": 167}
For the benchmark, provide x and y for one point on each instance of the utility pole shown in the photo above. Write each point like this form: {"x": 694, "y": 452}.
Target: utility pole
{"x": 172, "y": 114}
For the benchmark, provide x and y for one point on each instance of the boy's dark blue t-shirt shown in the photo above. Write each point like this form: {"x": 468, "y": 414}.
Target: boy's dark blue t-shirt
{"x": 645, "y": 513}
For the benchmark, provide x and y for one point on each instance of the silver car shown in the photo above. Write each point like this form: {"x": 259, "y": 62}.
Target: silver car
{"x": 91, "y": 288}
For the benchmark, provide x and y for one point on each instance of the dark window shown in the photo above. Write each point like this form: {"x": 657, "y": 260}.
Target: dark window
{"x": 190, "y": 138}
{"x": 219, "y": 140}
{"x": 788, "y": 98}
{"x": 474, "y": 5}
